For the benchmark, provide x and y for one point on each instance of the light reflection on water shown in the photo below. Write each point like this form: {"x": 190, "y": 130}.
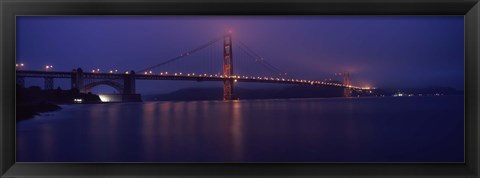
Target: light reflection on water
{"x": 415, "y": 129}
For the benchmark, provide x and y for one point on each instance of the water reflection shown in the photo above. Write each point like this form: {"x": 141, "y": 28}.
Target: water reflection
{"x": 164, "y": 127}
{"x": 48, "y": 142}
{"x": 148, "y": 130}
{"x": 315, "y": 130}
{"x": 237, "y": 132}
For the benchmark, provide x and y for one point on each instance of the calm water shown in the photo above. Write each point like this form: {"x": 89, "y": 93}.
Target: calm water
{"x": 405, "y": 129}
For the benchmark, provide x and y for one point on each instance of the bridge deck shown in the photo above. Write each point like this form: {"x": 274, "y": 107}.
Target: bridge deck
{"x": 201, "y": 77}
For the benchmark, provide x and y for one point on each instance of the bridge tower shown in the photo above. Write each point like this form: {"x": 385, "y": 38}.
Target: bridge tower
{"x": 77, "y": 80}
{"x": 347, "y": 92}
{"x": 228, "y": 67}
{"x": 129, "y": 83}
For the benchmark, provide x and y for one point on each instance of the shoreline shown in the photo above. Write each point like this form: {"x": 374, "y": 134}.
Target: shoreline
{"x": 32, "y": 101}
{"x": 30, "y": 110}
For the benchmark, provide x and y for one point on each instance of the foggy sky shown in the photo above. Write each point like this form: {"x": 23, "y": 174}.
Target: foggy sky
{"x": 378, "y": 51}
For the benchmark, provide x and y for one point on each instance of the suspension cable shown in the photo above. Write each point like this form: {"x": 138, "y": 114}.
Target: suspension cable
{"x": 188, "y": 53}
{"x": 260, "y": 59}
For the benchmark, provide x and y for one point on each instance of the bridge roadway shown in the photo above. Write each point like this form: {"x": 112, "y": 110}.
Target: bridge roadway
{"x": 176, "y": 76}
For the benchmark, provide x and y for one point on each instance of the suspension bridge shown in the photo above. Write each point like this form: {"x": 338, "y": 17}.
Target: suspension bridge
{"x": 212, "y": 61}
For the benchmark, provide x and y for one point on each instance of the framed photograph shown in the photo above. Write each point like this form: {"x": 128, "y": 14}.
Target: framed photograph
{"x": 256, "y": 88}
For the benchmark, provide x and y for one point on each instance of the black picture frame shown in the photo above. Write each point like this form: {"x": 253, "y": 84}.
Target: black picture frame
{"x": 11, "y": 8}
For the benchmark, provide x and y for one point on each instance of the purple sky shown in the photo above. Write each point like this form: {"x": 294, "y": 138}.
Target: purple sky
{"x": 379, "y": 51}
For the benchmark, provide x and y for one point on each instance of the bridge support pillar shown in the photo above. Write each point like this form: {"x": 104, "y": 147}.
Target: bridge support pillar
{"x": 21, "y": 81}
{"x": 228, "y": 67}
{"x": 48, "y": 83}
{"x": 129, "y": 83}
{"x": 77, "y": 80}
{"x": 228, "y": 89}
{"x": 347, "y": 91}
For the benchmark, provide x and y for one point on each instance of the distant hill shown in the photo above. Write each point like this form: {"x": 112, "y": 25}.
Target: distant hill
{"x": 424, "y": 91}
{"x": 301, "y": 91}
